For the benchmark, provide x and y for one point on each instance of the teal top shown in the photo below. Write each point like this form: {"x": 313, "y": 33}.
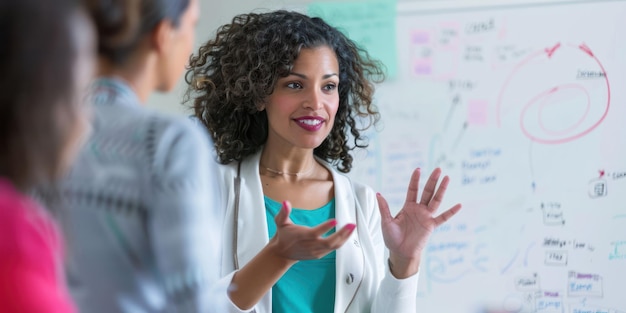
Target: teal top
{"x": 309, "y": 285}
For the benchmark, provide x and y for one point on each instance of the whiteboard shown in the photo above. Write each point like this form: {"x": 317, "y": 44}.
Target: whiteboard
{"x": 523, "y": 105}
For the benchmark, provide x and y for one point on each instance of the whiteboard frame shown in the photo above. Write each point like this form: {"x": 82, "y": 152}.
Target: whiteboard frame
{"x": 434, "y": 7}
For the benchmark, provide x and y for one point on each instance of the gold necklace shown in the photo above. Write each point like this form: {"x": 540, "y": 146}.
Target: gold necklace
{"x": 277, "y": 172}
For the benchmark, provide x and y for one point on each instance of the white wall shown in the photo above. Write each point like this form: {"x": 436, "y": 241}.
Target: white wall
{"x": 214, "y": 14}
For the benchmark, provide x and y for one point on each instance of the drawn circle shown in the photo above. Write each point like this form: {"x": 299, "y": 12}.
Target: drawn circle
{"x": 573, "y": 101}
{"x": 550, "y": 101}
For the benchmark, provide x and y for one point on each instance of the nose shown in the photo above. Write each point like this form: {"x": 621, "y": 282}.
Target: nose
{"x": 314, "y": 100}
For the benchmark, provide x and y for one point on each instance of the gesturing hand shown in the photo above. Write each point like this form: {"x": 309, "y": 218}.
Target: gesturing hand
{"x": 406, "y": 234}
{"x": 296, "y": 242}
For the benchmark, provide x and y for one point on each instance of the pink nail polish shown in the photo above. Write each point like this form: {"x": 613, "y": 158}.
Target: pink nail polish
{"x": 350, "y": 227}
{"x": 333, "y": 223}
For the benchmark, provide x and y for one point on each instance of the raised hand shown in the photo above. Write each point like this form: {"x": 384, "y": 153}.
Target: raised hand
{"x": 296, "y": 242}
{"x": 290, "y": 244}
{"x": 407, "y": 233}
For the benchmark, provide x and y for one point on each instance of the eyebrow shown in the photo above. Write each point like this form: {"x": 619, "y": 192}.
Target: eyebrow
{"x": 305, "y": 77}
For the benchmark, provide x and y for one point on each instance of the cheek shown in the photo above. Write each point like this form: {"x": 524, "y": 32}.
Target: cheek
{"x": 80, "y": 129}
{"x": 79, "y": 112}
{"x": 187, "y": 41}
{"x": 332, "y": 110}
{"x": 183, "y": 49}
{"x": 278, "y": 106}
{"x": 74, "y": 125}
{"x": 333, "y": 106}
{"x": 192, "y": 38}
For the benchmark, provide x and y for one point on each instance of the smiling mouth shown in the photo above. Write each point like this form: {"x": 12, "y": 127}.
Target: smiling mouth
{"x": 310, "y": 124}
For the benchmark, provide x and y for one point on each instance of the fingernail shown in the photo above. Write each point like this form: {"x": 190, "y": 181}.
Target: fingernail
{"x": 350, "y": 227}
{"x": 378, "y": 194}
{"x": 333, "y": 223}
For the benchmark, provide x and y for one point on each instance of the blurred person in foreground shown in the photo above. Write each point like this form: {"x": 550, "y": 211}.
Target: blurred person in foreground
{"x": 138, "y": 207}
{"x": 47, "y": 54}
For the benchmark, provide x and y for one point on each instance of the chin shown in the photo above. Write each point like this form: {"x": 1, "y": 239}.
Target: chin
{"x": 165, "y": 88}
{"x": 310, "y": 145}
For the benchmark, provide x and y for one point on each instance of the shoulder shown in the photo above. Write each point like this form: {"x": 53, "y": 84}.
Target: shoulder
{"x": 12, "y": 215}
{"x": 344, "y": 181}
{"x": 177, "y": 137}
{"x": 174, "y": 149}
{"x": 364, "y": 195}
{"x": 163, "y": 126}
{"x": 247, "y": 169}
{"x": 140, "y": 131}
{"x": 140, "y": 122}
{"x": 29, "y": 250}
{"x": 22, "y": 223}
{"x": 228, "y": 172}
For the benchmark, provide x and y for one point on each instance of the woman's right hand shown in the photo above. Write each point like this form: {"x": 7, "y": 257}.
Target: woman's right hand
{"x": 290, "y": 244}
{"x": 294, "y": 242}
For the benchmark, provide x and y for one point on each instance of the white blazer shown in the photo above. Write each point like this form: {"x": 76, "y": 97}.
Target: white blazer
{"x": 363, "y": 283}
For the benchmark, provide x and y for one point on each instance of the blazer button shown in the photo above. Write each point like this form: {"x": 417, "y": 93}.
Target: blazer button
{"x": 356, "y": 243}
{"x": 349, "y": 279}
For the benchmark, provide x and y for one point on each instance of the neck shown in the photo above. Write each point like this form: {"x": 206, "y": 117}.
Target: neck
{"x": 296, "y": 174}
{"x": 137, "y": 72}
{"x": 297, "y": 163}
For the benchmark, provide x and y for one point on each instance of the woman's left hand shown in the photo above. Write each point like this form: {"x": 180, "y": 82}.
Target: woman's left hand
{"x": 406, "y": 234}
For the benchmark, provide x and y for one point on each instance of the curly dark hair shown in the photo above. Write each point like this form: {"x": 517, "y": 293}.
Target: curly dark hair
{"x": 237, "y": 70}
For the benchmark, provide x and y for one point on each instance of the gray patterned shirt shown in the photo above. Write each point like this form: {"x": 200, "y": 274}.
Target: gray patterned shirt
{"x": 140, "y": 211}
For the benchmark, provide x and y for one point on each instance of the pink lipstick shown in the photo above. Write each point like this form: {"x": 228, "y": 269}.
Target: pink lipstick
{"x": 310, "y": 123}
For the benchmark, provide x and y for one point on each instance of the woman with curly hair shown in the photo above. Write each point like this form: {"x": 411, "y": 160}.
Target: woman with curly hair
{"x": 281, "y": 94}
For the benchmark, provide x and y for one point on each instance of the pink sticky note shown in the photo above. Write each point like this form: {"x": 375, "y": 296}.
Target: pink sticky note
{"x": 422, "y": 66}
{"x": 420, "y": 37}
{"x": 477, "y": 112}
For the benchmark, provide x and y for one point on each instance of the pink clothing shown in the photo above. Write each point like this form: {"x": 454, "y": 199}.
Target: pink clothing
{"x": 31, "y": 279}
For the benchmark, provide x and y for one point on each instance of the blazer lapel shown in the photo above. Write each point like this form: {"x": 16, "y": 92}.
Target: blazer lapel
{"x": 349, "y": 262}
{"x": 252, "y": 225}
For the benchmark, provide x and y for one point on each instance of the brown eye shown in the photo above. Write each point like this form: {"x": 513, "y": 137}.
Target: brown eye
{"x": 330, "y": 87}
{"x": 294, "y": 85}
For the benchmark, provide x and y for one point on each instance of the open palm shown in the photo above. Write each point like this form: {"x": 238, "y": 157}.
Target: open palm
{"x": 295, "y": 242}
{"x": 406, "y": 234}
